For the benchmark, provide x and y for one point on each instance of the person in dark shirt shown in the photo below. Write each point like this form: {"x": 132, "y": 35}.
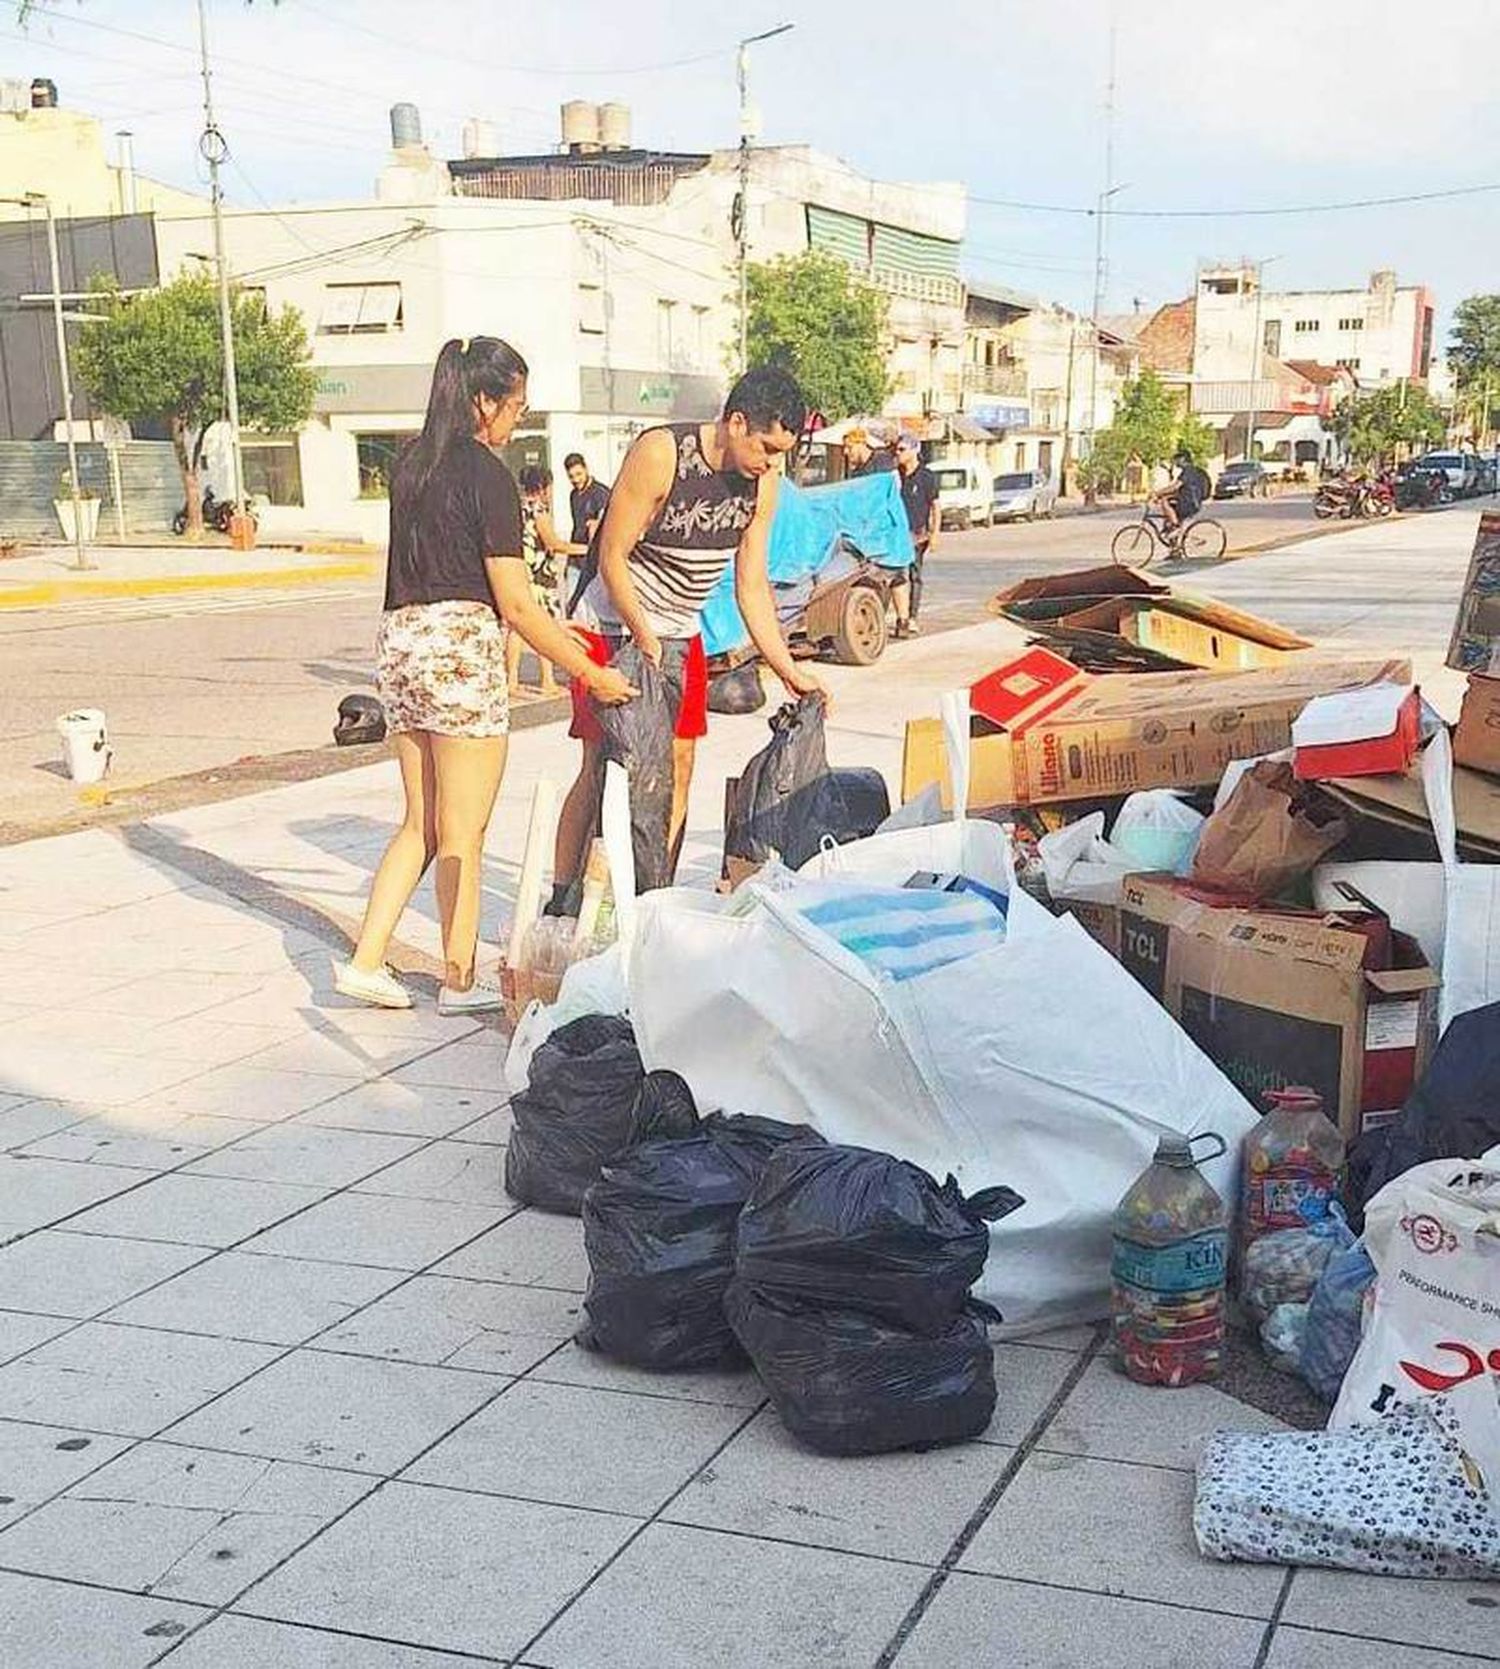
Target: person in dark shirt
{"x": 860, "y": 458}
{"x": 1181, "y": 501}
{"x": 587, "y": 502}
{"x": 456, "y": 578}
{"x": 919, "y": 495}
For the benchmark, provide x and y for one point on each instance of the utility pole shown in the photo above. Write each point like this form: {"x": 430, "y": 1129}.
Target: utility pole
{"x": 1100, "y": 246}
{"x": 215, "y": 152}
{"x": 1252, "y": 414}
{"x": 740, "y": 219}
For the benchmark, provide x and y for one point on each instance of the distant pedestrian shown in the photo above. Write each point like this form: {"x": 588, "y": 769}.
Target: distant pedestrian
{"x": 546, "y": 554}
{"x": 861, "y": 458}
{"x": 919, "y": 495}
{"x": 455, "y": 571}
{"x": 588, "y": 500}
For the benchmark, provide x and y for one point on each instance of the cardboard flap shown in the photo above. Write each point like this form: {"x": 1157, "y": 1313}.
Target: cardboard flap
{"x": 1109, "y": 580}
{"x": 1027, "y": 687}
{"x": 1404, "y": 982}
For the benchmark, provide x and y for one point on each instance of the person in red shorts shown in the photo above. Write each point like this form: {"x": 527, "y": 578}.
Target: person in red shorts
{"x": 690, "y": 498}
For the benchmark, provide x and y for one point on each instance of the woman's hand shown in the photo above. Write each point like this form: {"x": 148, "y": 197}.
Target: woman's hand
{"x": 610, "y": 687}
{"x": 799, "y": 681}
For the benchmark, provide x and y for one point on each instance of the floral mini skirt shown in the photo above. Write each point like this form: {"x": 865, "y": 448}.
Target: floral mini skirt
{"x": 440, "y": 667}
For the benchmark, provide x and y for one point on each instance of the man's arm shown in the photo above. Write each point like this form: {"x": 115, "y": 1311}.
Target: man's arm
{"x": 645, "y": 481}
{"x": 752, "y": 591}
{"x": 934, "y": 521}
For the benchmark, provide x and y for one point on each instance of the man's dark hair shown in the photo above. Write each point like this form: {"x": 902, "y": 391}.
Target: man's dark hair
{"x": 767, "y": 396}
{"x": 575, "y": 458}
{"x": 535, "y": 478}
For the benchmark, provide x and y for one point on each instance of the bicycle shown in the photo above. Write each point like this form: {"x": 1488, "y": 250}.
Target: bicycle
{"x": 1136, "y": 545}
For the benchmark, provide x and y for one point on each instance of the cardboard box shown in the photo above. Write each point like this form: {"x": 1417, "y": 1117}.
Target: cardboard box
{"x": 1475, "y": 646}
{"x": 1049, "y": 732}
{"x": 1391, "y": 818}
{"x": 1476, "y": 742}
{"x": 1277, "y": 998}
{"x": 1357, "y": 733}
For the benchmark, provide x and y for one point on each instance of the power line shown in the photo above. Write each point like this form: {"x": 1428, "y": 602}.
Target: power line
{"x": 1090, "y": 210}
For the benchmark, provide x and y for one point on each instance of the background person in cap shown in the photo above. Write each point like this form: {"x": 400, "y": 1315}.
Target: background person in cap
{"x": 860, "y": 458}
{"x": 919, "y": 493}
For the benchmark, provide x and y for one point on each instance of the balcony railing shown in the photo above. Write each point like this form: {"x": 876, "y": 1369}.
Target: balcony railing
{"x": 994, "y": 379}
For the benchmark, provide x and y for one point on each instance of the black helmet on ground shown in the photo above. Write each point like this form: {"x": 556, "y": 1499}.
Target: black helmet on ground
{"x": 361, "y": 719}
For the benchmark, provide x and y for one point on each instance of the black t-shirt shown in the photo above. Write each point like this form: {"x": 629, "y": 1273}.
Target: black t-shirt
{"x": 587, "y": 504}
{"x": 469, "y": 510}
{"x": 919, "y": 492}
{"x": 1192, "y": 490}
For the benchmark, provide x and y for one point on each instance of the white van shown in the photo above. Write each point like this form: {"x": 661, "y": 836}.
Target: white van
{"x": 966, "y": 493}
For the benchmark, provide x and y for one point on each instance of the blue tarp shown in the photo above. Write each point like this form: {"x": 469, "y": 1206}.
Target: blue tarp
{"x": 807, "y": 527}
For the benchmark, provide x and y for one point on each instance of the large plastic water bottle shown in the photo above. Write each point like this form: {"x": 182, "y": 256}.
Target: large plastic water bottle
{"x": 1293, "y": 1159}
{"x": 1170, "y": 1243}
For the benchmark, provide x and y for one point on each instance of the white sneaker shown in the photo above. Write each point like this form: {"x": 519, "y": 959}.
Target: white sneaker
{"x": 482, "y": 997}
{"x": 381, "y": 989}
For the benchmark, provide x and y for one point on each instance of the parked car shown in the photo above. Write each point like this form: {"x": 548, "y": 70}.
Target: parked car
{"x": 1487, "y": 476}
{"x": 965, "y": 493}
{"x": 1022, "y": 496}
{"x": 1246, "y": 479}
{"x": 1461, "y": 468}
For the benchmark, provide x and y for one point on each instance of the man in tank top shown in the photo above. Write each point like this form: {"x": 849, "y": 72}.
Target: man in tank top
{"x": 690, "y": 499}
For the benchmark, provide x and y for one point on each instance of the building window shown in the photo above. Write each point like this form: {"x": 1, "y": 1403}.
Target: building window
{"x": 1304, "y": 327}
{"x": 1349, "y": 364}
{"x": 702, "y": 346}
{"x": 1020, "y": 454}
{"x": 665, "y": 331}
{"x": 360, "y": 309}
{"x": 1351, "y": 324}
{"x": 377, "y": 455}
{"x": 1044, "y": 457}
{"x": 273, "y": 468}
{"x": 1271, "y": 342}
{"x": 591, "y": 309}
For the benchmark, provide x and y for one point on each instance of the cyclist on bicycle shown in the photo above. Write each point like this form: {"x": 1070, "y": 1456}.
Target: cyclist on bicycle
{"x": 1184, "y": 498}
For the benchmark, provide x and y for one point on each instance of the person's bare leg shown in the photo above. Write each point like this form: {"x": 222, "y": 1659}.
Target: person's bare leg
{"x": 468, "y": 770}
{"x": 684, "y": 750}
{"x": 405, "y": 860}
{"x": 549, "y": 679}
{"x": 578, "y": 821}
{"x": 513, "y": 647}
{"x": 901, "y": 602}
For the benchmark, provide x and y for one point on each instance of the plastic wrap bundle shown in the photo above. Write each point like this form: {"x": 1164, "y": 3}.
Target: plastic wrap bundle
{"x": 845, "y": 1383}
{"x": 1284, "y": 1267}
{"x": 856, "y": 1229}
{"x": 1335, "y": 1317}
{"x": 659, "y": 1227}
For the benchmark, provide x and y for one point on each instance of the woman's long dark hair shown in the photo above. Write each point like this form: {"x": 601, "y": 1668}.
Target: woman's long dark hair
{"x": 464, "y": 371}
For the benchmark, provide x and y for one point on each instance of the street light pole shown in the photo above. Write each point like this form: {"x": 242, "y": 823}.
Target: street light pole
{"x": 1101, "y": 208}
{"x": 1256, "y": 352}
{"x": 215, "y": 152}
{"x": 741, "y": 218}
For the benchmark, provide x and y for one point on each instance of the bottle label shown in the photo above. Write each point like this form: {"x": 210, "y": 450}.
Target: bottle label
{"x": 1288, "y": 1197}
{"x": 1192, "y": 1265}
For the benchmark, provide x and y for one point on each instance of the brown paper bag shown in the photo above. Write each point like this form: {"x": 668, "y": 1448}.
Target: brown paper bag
{"x": 1267, "y": 835}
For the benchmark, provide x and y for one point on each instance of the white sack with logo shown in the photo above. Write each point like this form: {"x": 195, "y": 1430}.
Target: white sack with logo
{"x": 1432, "y": 1321}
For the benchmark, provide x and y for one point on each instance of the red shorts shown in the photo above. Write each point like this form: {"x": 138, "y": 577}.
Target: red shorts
{"x": 692, "y": 715}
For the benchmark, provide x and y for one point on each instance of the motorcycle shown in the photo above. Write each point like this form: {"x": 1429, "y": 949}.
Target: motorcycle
{"x": 1380, "y": 496}
{"x": 218, "y": 514}
{"x": 1337, "y": 497}
{"x": 1421, "y": 489}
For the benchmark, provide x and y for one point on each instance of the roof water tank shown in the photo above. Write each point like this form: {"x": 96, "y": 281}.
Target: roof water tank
{"x": 406, "y": 125}
{"x": 614, "y": 127}
{"x": 43, "y": 94}
{"x": 580, "y": 125}
{"x": 15, "y": 95}
{"x": 480, "y": 138}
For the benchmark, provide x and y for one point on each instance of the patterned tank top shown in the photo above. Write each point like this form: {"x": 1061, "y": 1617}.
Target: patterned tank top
{"x": 682, "y": 556}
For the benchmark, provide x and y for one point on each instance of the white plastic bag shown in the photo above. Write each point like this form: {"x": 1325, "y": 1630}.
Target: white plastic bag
{"x": 1081, "y": 866}
{"x": 593, "y": 986}
{"x": 1433, "y": 1319}
{"x": 1471, "y": 916}
{"x": 1157, "y": 831}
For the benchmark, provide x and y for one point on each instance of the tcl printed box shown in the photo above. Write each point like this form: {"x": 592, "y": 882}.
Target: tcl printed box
{"x": 1476, "y": 742}
{"x": 1279, "y": 998}
{"x": 1044, "y": 731}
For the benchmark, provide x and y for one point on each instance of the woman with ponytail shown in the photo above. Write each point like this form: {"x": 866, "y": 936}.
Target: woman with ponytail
{"x": 455, "y": 581}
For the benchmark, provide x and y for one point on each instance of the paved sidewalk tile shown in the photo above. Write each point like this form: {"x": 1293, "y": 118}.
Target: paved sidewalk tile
{"x": 36, "y": 1192}
{"x": 493, "y": 1129}
{"x": 58, "y": 1625}
{"x": 20, "y": 1333}
{"x": 58, "y": 1273}
{"x": 182, "y": 1523}
{"x": 1299, "y": 1648}
{"x": 401, "y": 1109}
{"x": 330, "y": 1052}
{"x": 1112, "y": 1418}
{"x": 1027, "y": 1378}
{"x": 466, "y": 1172}
{"x": 379, "y": 1230}
{"x": 1113, "y": 1528}
{"x": 195, "y": 1210}
{"x": 902, "y": 1506}
{"x": 37, "y": 1462}
{"x": 245, "y": 1091}
{"x": 577, "y": 1448}
{"x": 681, "y": 1599}
{"x": 89, "y": 1077}
{"x": 735, "y": 1388}
{"x": 270, "y": 1300}
{"x": 343, "y": 1411}
{"x": 28, "y": 1120}
{"x": 460, "y": 1324}
{"x": 981, "y": 1620}
{"x": 172, "y": 996}
{"x": 140, "y": 1139}
{"x": 483, "y": 1588}
{"x": 231, "y": 1642}
{"x": 532, "y": 1248}
{"x": 127, "y": 1380}
{"x": 1449, "y": 1616}
{"x": 305, "y": 1154}
{"x": 476, "y": 1065}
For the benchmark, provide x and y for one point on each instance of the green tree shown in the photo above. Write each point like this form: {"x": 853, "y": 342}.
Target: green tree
{"x": 810, "y": 314}
{"x": 1373, "y": 428}
{"x": 1198, "y": 439}
{"x": 1474, "y": 354}
{"x": 158, "y": 357}
{"x": 1149, "y": 426}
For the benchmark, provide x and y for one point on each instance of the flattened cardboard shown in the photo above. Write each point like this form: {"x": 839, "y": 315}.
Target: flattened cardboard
{"x": 1111, "y": 579}
{"x": 1476, "y": 741}
{"x": 1398, "y": 803}
{"x": 1475, "y": 646}
{"x": 1276, "y": 999}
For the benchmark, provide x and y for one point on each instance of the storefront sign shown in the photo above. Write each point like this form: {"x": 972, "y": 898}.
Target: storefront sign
{"x": 372, "y": 388}
{"x": 1007, "y": 414}
{"x": 661, "y": 394}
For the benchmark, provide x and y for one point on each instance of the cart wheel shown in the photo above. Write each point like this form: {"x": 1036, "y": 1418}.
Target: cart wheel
{"x": 861, "y": 637}
{"x": 1134, "y": 546}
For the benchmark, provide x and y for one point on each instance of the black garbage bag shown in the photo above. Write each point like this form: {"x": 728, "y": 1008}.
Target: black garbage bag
{"x": 787, "y": 800}
{"x": 659, "y": 1229}
{"x": 1454, "y": 1113}
{"x": 639, "y": 735}
{"x": 851, "y": 1228}
{"x": 846, "y": 1384}
{"x": 664, "y": 1109}
{"x": 580, "y": 1109}
{"x": 865, "y": 799}
{"x": 737, "y": 691}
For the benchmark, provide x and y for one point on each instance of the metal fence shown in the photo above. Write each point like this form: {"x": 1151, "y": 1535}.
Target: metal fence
{"x": 32, "y": 473}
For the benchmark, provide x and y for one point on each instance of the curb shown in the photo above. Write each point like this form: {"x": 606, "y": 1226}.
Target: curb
{"x": 44, "y": 593}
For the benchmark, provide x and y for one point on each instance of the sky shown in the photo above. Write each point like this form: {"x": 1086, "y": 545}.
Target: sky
{"x": 1291, "y": 103}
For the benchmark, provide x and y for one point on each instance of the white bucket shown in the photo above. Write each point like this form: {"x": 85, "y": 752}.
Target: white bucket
{"x": 85, "y": 739}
